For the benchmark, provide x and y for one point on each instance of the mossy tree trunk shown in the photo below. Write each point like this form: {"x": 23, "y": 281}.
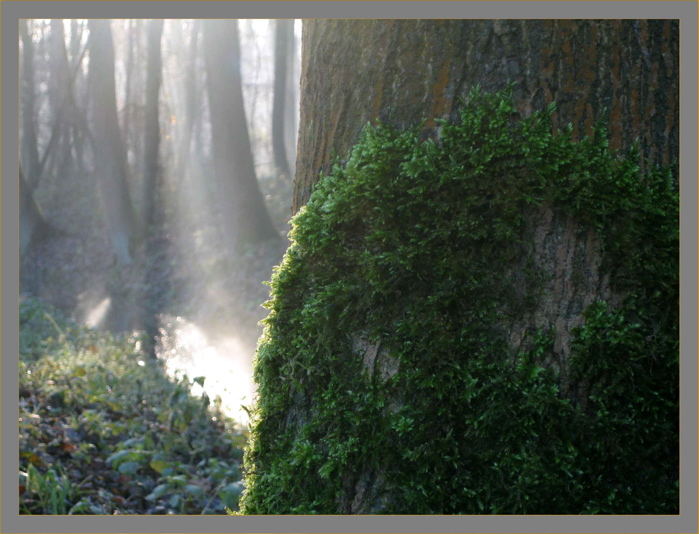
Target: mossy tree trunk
{"x": 404, "y": 71}
{"x": 476, "y": 323}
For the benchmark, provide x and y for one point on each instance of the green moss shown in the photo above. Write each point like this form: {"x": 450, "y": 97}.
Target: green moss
{"x": 409, "y": 248}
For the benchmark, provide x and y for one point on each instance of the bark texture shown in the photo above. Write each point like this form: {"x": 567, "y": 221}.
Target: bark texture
{"x": 404, "y": 71}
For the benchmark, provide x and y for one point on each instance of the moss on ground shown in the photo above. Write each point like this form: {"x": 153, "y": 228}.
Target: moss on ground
{"x": 403, "y": 259}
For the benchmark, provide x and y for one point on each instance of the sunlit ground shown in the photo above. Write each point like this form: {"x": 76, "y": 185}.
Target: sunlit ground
{"x": 225, "y": 365}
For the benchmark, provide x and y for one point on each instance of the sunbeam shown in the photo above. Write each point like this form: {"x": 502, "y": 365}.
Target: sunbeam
{"x": 223, "y": 362}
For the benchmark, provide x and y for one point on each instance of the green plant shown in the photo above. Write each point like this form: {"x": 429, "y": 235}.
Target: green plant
{"x": 53, "y": 490}
{"x": 408, "y": 248}
{"x": 104, "y": 430}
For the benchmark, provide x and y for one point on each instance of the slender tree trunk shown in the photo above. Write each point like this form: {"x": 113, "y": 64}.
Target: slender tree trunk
{"x": 152, "y": 216}
{"x": 33, "y": 226}
{"x": 30, "y": 150}
{"x": 197, "y": 87}
{"x": 283, "y": 49}
{"x": 189, "y": 123}
{"x": 77, "y": 116}
{"x": 246, "y": 218}
{"x": 128, "y": 82}
{"x": 110, "y": 154}
{"x": 62, "y": 102}
{"x": 152, "y": 125}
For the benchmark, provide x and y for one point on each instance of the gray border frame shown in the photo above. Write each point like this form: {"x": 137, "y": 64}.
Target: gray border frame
{"x": 686, "y": 11}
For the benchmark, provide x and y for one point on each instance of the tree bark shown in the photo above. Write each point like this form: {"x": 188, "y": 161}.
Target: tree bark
{"x": 405, "y": 71}
{"x": 246, "y": 218}
{"x": 110, "y": 154}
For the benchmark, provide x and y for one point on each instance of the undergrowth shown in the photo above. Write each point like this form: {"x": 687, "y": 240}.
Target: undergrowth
{"x": 103, "y": 430}
{"x": 408, "y": 248}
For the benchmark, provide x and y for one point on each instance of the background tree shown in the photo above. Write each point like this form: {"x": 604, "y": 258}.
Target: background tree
{"x": 59, "y": 97}
{"x": 77, "y": 118}
{"x": 33, "y": 226}
{"x": 152, "y": 215}
{"x": 152, "y": 125}
{"x": 30, "y": 150}
{"x": 283, "y": 52}
{"x": 393, "y": 353}
{"x": 110, "y": 154}
{"x": 248, "y": 220}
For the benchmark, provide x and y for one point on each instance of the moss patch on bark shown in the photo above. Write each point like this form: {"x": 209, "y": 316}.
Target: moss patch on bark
{"x": 408, "y": 364}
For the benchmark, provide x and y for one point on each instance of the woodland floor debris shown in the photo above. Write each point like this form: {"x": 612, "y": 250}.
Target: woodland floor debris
{"x": 104, "y": 431}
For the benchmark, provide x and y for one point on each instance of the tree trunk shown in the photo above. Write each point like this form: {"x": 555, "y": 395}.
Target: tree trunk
{"x": 33, "y": 227}
{"x": 58, "y": 97}
{"x": 77, "y": 118}
{"x": 188, "y": 125}
{"x": 245, "y": 215}
{"x": 404, "y": 72}
{"x": 152, "y": 125}
{"x": 127, "y": 111}
{"x": 409, "y": 339}
{"x": 283, "y": 49}
{"x": 110, "y": 154}
{"x": 152, "y": 215}
{"x": 30, "y": 150}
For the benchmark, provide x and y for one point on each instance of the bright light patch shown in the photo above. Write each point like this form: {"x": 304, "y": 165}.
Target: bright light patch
{"x": 98, "y": 313}
{"x": 223, "y": 363}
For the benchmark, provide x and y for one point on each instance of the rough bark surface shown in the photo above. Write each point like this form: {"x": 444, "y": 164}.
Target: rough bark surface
{"x": 406, "y": 71}
{"x": 568, "y": 258}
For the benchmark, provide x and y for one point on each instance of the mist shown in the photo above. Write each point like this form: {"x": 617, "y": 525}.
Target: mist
{"x": 156, "y": 165}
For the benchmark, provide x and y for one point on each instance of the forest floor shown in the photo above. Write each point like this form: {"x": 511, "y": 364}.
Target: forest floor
{"x": 103, "y": 430}
{"x": 104, "y": 427}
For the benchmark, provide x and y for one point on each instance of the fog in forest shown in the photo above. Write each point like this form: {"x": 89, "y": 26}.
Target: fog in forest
{"x": 155, "y": 176}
